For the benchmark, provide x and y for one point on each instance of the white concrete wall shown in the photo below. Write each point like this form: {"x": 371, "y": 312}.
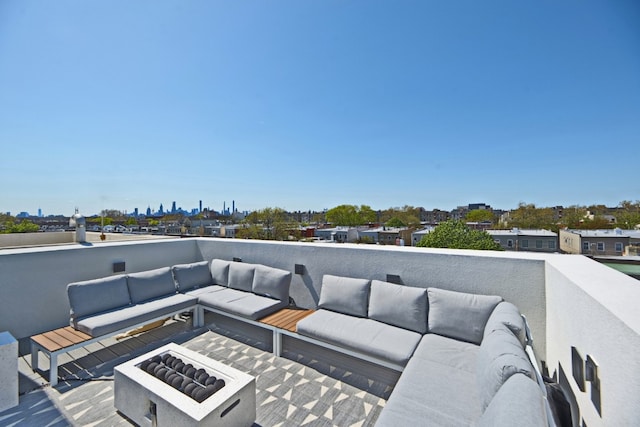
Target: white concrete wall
{"x": 594, "y": 308}
{"x": 33, "y": 281}
{"x": 28, "y": 239}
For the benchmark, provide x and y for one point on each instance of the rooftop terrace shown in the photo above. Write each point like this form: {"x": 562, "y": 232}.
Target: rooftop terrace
{"x": 570, "y": 302}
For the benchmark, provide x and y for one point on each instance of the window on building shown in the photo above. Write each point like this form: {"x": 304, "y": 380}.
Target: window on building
{"x": 525, "y": 243}
{"x": 600, "y": 246}
{"x": 552, "y": 244}
{"x": 618, "y": 247}
{"x": 509, "y": 243}
{"x": 538, "y": 244}
{"x": 585, "y": 246}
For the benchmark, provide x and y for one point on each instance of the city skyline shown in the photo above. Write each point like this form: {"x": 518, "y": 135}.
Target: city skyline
{"x": 306, "y": 106}
{"x": 228, "y": 209}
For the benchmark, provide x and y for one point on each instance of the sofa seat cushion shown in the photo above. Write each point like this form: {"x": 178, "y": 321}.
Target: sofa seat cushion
{"x": 112, "y": 321}
{"x": 192, "y": 275}
{"x": 460, "y": 315}
{"x": 501, "y": 356}
{"x": 151, "y": 284}
{"x": 244, "y": 304}
{"x": 220, "y": 272}
{"x": 345, "y": 295}
{"x": 241, "y": 276}
{"x": 271, "y": 282}
{"x": 449, "y": 352}
{"x": 506, "y": 314}
{"x": 96, "y": 296}
{"x": 206, "y": 289}
{"x": 519, "y": 402}
{"x": 398, "y": 305}
{"x": 377, "y": 339}
{"x": 434, "y": 394}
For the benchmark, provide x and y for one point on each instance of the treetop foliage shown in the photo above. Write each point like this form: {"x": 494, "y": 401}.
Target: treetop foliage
{"x": 351, "y": 215}
{"x": 455, "y": 234}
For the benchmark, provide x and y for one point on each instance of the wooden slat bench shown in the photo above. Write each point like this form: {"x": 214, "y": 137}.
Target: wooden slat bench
{"x": 52, "y": 344}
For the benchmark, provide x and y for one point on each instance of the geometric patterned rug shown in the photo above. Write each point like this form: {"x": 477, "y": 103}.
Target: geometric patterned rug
{"x": 289, "y": 393}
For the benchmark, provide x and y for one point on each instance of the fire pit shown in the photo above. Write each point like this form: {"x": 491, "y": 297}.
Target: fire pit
{"x": 176, "y": 386}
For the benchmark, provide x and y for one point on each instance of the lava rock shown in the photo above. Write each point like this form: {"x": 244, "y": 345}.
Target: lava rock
{"x": 191, "y": 372}
{"x": 178, "y": 366}
{"x": 202, "y": 378}
{"x": 188, "y": 389}
{"x": 210, "y": 380}
{"x": 151, "y": 367}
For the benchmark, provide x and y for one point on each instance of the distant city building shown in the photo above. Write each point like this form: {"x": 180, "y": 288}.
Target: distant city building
{"x": 338, "y": 234}
{"x": 526, "y": 240}
{"x": 598, "y": 242}
{"x": 385, "y": 235}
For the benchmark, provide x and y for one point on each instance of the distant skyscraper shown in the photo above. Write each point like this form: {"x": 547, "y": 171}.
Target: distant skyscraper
{"x": 161, "y": 209}
{"x": 148, "y": 210}
{"x": 39, "y": 213}
{"x": 233, "y": 206}
{"x": 135, "y": 212}
{"x": 173, "y": 207}
{"x": 200, "y": 211}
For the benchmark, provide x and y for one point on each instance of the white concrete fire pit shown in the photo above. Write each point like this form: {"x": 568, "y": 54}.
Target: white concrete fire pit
{"x": 174, "y": 386}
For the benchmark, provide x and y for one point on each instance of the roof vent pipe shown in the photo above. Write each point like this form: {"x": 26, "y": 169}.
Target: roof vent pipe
{"x": 78, "y": 221}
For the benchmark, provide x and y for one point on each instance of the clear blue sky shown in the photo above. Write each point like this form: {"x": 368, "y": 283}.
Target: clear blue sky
{"x": 311, "y": 104}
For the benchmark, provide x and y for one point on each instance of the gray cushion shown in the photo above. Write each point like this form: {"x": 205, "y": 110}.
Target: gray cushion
{"x": 460, "y": 315}
{"x": 377, "y": 339}
{"x": 519, "y": 402}
{"x": 399, "y": 305}
{"x": 241, "y": 276}
{"x": 95, "y": 296}
{"x": 272, "y": 282}
{"x": 445, "y": 351}
{"x": 220, "y": 272}
{"x": 205, "y": 289}
{"x": 193, "y": 275}
{"x": 151, "y": 284}
{"x": 135, "y": 315}
{"x": 501, "y": 356}
{"x": 506, "y": 314}
{"x": 241, "y": 303}
{"x": 432, "y": 394}
{"x": 345, "y": 295}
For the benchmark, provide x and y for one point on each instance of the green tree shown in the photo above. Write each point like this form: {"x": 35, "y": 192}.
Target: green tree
{"x": 395, "y": 222}
{"x": 408, "y": 215}
{"x": 628, "y": 216}
{"x": 351, "y": 215}
{"x": 479, "y": 215}
{"x": 456, "y": 234}
{"x": 528, "y": 216}
{"x": 267, "y": 224}
{"x": 10, "y": 225}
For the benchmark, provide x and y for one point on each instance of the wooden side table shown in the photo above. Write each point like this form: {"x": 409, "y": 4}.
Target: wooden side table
{"x": 285, "y": 319}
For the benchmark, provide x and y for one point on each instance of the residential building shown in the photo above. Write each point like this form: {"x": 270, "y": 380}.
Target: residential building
{"x": 526, "y": 240}
{"x": 385, "y": 235}
{"x": 598, "y": 242}
{"x": 340, "y": 234}
{"x": 416, "y": 236}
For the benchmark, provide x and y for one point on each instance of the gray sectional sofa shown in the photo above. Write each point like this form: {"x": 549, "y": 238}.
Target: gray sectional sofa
{"x": 105, "y": 306}
{"x": 462, "y": 356}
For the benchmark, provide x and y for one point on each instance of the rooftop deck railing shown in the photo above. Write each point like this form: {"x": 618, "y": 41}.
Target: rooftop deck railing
{"x": 574, "y": 306}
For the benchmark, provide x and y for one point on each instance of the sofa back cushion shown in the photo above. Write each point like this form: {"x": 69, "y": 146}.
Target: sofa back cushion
{"x": 460, "y": 315}
{"x": 192, "y": 276}
{"x": 220, "y": 272}
{"x": 519, "y": 402}
{"x": 500, "y": 356}
{"x": 506, "y": 314}
{"x": 272, "y": 282}
{"x": 241, "y": 276}
{"x": 150, "y": 284}
{"x": 398, "y": 305}
{"x": 99, "y": 295}
{"x": 345, "y": 295}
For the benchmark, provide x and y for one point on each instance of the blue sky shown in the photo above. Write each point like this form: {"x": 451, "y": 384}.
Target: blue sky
{"x": 311, "y": 104}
